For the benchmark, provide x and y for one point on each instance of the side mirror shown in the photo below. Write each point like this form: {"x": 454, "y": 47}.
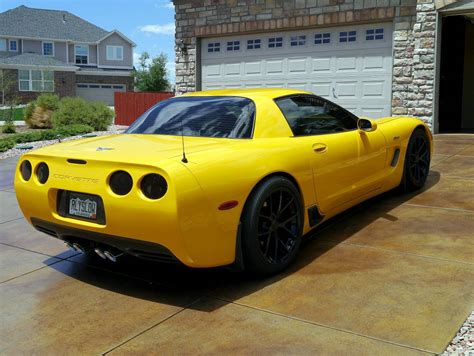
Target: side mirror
{"x": 366, "y": 125}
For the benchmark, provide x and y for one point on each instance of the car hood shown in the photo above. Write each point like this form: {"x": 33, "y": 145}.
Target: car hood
{"x": 136, "y": 148}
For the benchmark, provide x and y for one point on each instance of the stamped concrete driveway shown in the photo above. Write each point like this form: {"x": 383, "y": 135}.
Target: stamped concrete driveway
{"x": 394, "y": 275}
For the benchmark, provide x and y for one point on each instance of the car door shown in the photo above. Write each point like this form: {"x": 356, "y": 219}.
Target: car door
{"x": 342, "y": 157}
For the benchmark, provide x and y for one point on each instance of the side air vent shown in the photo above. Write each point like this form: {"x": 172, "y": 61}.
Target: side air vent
{"x": 396, "y": 156}
{"x": 76, "y": 161}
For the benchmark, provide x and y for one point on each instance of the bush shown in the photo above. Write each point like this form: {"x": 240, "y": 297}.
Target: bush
{"x": 6, "y": 144}
{"x": 78, "y": 111}
{"x": 38, "y": 113}
{"x": 48, "y": 101}
{"x": 9, "y": 127}
{"x": 40, "y": 135}
{"x": 102, "y": 116}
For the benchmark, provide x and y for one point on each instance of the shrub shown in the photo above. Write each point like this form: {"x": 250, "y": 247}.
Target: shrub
{"x": 38, "y": 113}
{"x": 48, "y": 101}
{"x": 102, "y": 117}
{"x": 6, "y": 144}
{"x": 40, "y": 135}
{"x": 8, "y": 128}
{"x": 78, "y": 111}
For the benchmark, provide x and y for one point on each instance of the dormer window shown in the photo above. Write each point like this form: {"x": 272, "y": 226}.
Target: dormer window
{"x": 13, "y": 46}
{"x": 48, "y": 48}
{"x": 81, "y": 54}
{"x": 114, "y": 53}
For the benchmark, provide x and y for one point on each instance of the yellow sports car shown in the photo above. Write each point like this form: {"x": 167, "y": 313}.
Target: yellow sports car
{"x": 228, "y": 177}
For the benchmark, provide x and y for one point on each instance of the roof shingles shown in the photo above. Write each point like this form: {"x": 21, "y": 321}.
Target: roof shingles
{"x": 27, "y": 22}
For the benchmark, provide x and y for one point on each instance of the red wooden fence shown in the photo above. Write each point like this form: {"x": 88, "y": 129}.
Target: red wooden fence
{"x": 130, "y": 105}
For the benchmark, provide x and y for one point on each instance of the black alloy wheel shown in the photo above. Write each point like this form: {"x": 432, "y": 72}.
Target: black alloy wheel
{"x": 417, "y": 161}
{"x": 272, "y": 226}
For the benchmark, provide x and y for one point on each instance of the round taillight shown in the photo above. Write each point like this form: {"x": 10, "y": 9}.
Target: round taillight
{"x": 42, "y": 172}
{"x": 25, "y": 170}
{"x": 153, "y": 186}
{"x": 121, "y": 182}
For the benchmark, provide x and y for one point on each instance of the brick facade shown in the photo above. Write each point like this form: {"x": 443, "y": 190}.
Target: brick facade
{"x": 413, "y": 38}
{"x": 64, "y": 85}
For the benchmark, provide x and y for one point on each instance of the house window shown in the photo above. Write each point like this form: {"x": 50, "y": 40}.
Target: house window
{"x": 81, "y": 54}
{"x": 275, "y": 42}
{"x": 213, "y": 47}
{"x": 374, "y": 34}
{"x": 48, "y": 49}
{"x": 13, "y": 46}
{"x": 36, "y": 80}
{"x": 3, "y": 45}
{"x": 253, "y": 44}
{"x": 114, "y": 53}
{"x": 322, "y": 38}
{"x": 297, "y": 40}
{"x": 347, "y": 36}
{"x": 233, "y": 45}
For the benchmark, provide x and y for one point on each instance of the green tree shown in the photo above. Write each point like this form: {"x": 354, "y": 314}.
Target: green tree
{"x": 151, "y": 74}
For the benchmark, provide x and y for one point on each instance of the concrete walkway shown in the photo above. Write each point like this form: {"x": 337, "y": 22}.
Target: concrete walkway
{"x": 393, "y": 276}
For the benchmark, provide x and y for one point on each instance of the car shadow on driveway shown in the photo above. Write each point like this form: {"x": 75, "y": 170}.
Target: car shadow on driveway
{"x": 154, "y": 282}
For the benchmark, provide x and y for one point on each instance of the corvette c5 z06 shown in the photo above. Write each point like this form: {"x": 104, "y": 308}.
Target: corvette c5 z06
{"x": 219, "y": 177}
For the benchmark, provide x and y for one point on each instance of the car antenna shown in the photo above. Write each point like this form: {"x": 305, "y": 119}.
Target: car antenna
{"x": 184, "y": 159}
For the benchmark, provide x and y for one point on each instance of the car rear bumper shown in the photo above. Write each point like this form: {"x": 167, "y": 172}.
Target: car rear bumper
{"x": 90, "y": 240}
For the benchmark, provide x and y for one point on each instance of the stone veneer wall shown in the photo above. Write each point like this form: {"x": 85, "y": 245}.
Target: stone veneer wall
{"x": 413, "y": 45}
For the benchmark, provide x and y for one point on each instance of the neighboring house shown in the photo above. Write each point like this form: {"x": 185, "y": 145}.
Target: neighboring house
{"x": 375, "y": 57}
{"x": 56, "y": 51}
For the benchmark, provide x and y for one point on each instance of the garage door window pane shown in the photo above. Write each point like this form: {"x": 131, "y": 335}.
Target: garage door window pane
{"x": 275, "y": 42}
{"x": 322, "y": 38}
{"x": 298, "y": 41}
{"x": 253, "y": 44}
{"x": 233, "y": 45}
{"x": 347, "y": 36}
{"x": 374, "y": 34}
{"x": 214, "y": 47}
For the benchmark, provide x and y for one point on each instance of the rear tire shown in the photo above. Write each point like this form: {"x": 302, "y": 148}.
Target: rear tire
{"x": 417, "y": 161}
{"x": 272, "y": 226}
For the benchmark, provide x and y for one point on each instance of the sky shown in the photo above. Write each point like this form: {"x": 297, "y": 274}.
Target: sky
{"x": 148, "y": 23}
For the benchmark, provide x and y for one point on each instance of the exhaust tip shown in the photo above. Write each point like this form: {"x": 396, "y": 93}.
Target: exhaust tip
{"x": 100, "y": 253}
{"x": 78, "y": 248}
{"x": 111, "y": 256}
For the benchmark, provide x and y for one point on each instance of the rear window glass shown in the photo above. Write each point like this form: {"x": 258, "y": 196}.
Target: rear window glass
{"x": 205, "y": 116}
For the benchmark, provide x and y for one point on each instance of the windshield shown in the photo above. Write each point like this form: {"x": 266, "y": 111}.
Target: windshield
{"x": 204, "y": 116}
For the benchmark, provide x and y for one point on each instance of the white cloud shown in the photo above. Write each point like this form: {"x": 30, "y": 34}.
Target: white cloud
{"x": 168, "y": 5}
{"x": 135, "y": 58}
{"x": 170, "y": 68}
{"x": 165, "y": 29}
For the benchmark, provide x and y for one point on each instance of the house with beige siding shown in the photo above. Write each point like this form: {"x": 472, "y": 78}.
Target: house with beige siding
{"x": 56, "y": 51}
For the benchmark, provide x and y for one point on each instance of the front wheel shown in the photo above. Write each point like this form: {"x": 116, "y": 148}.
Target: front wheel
{"x": 417, "y": 161}
{"x": 272, "y": 225}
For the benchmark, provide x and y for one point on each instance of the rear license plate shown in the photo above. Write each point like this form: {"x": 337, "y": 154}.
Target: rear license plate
{"x": 84, "y": 206}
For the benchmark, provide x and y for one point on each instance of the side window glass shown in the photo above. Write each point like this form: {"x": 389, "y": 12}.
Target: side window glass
{"x": 311, "y": 115}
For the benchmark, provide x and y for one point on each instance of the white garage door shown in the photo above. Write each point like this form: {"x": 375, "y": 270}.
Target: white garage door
{"x": 99, "y": 92}
{"x": 349, "y": 65}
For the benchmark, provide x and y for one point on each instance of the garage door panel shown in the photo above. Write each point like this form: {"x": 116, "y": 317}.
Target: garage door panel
{"x": 321, "y": 65}
{"x": 355, "y": 74}
{"x": 99, "y": 92}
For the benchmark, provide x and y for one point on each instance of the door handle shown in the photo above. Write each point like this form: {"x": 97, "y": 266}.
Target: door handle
{"x": 320, "y": 148}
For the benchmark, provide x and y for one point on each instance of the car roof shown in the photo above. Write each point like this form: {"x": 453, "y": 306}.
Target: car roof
{"x": 250, "y": 93}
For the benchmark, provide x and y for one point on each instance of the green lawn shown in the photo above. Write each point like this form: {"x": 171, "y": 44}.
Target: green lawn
{"x": 17, "y": 113}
